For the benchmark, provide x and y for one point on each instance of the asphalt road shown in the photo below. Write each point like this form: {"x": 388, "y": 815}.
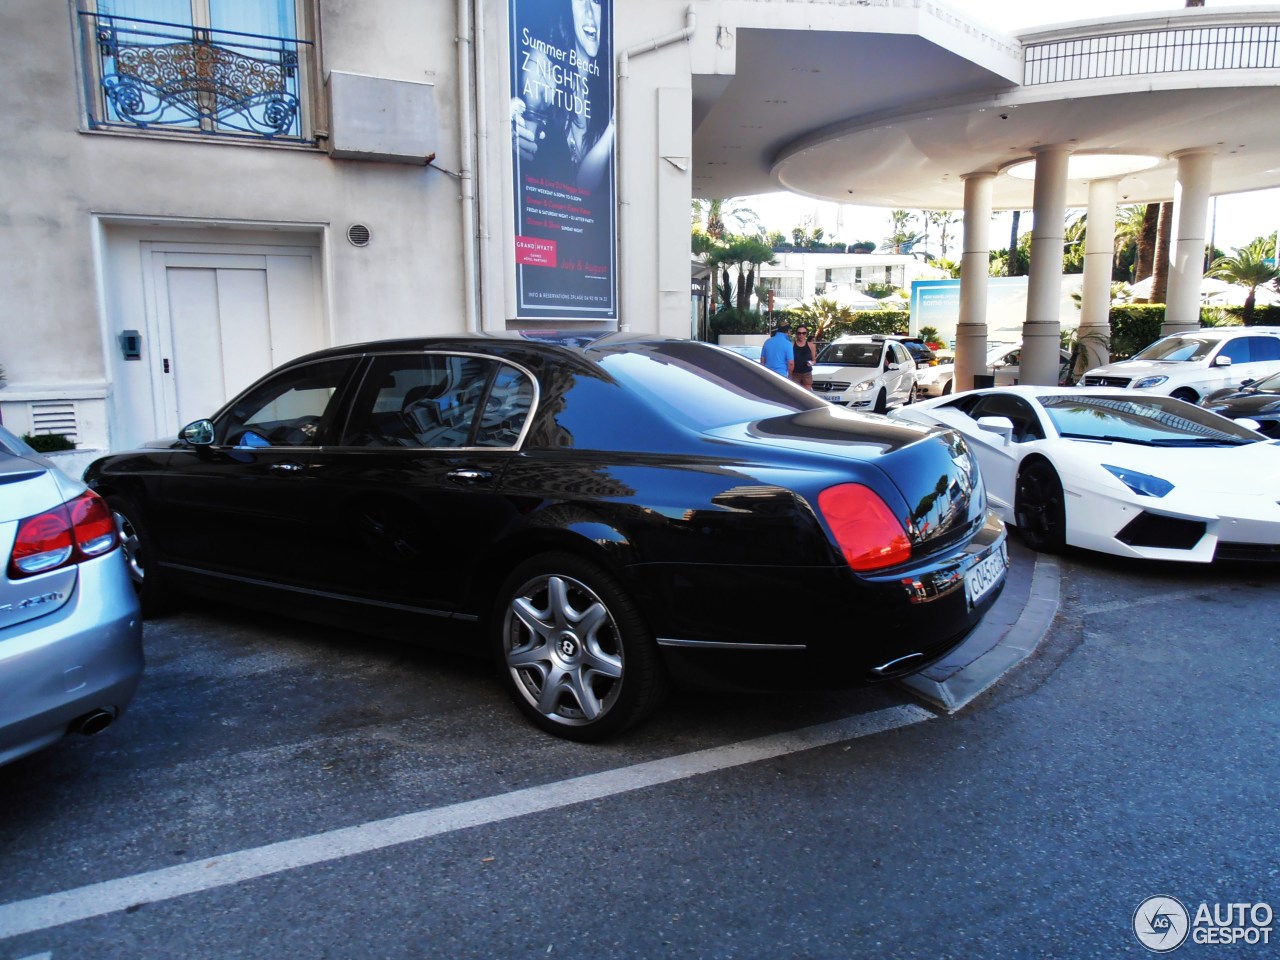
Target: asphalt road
{"x": 282, "y": 791}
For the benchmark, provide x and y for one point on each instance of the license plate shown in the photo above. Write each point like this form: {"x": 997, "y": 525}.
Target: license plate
{"x": 983, "y": 578}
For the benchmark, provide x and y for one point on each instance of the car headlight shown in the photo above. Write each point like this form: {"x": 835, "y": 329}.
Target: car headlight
{"x": 1146, "y": 382}
{"x": 864, "y": 386}
{"x": 1142, "y": 484}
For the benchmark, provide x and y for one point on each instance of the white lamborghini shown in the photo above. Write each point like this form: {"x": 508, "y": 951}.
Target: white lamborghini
{"x": 1139, "y": 476}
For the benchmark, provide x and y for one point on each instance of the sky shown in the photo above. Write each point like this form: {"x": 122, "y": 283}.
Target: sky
{"x": 1236, "y": 220}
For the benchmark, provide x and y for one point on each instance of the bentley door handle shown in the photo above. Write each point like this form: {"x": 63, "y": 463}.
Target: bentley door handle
{"x": 465, "y": 475}
{"x": 286, "y": 467}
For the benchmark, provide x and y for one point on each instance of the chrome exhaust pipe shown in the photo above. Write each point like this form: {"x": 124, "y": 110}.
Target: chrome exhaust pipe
{"x": 95, "y": 721}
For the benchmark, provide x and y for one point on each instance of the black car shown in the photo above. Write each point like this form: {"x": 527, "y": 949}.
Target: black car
{"x": 596, "y": 515}
{"x": 920, "y": 351}
{"x": 1257, "y": 400}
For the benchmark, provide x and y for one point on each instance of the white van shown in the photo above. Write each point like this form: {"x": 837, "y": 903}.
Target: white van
{"x": 1192, "y": 365}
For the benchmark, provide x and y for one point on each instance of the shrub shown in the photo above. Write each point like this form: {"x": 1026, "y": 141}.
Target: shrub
{"x": 1134, "y": 326}
{"x": 1264, "y": 314}
{"x": 1137, "y": 325}
{"x": 48, "y": 442}
{"x": 873, "y": 321}
{"x": 734, "y": 321}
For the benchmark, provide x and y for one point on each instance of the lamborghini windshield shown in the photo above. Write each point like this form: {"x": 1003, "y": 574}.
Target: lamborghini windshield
{"x": 1152, "y": 421}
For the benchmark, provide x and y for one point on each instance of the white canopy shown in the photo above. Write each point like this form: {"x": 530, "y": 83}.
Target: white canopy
{"x": 1213, "y": 292}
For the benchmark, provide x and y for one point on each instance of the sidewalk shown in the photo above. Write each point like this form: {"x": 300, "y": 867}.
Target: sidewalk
{"x": 1009, "y": 633}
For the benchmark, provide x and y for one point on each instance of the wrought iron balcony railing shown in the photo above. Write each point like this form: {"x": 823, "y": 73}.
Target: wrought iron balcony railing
{"x": 148, "y": 75}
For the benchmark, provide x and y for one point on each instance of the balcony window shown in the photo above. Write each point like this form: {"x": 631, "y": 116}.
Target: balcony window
{"x": 786, "y": 288}
{"x": 231, "y": 68}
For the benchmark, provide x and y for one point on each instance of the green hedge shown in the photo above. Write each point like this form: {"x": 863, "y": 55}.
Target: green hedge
{"x": 48, "y": 442}
{"x": 873, "y": 321}
{"x": 1264, "y": 314}
{"x": 1137, "y": 325}
{"x": 735, "y": 321}
{"x": 1133, "y": 326}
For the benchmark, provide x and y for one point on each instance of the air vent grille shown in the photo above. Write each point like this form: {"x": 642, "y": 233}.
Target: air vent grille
{"x": 54, "y": 417}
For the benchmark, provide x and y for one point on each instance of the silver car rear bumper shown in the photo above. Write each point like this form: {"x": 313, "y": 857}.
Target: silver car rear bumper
{"x": 84, "y": 657}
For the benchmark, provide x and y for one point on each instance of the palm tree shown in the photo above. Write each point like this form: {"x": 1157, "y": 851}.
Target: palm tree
{"x": 1129, "y": 225}
{"x": 743, "y": 255}
{"x": 1160, "y": 261}
{"x": 822, "y": 315}
{"x": 1144, "y": 262}
{"x": 718, "y": 215}
{"x": 942, "y": 219}
{"x": 1073, "y": 243}
{"x": 1013, "y": 266}
{"x": 1253, "y": 265}
{"x": 901, "y": 235}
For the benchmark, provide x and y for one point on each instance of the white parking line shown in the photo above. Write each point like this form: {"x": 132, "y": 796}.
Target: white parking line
{"x": 41, "y": 913}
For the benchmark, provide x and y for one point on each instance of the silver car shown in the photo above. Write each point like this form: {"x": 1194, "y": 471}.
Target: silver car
{"x": 70, "y": 628}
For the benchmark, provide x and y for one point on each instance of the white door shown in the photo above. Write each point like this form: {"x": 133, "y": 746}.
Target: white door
{"x": 221, "y": 320}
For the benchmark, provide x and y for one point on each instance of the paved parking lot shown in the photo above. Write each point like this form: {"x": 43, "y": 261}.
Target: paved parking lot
{"x": 280, "y": 790}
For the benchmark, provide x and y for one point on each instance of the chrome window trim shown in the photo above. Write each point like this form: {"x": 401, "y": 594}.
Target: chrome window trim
{"x": 370, "y": 355}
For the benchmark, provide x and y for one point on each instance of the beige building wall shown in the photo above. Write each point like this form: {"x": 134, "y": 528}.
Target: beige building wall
{"x": 87, "y": 213}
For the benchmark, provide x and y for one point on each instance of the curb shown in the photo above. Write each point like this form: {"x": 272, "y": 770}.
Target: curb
{"x": 1010, "y": 632}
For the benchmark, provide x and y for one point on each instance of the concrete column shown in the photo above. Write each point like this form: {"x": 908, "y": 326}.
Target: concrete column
{"x": 1041, "y": 338}
{"x": 971, "y": 331}
{"x": 1186, "y": 258}
{"x": 1094, "y": 336}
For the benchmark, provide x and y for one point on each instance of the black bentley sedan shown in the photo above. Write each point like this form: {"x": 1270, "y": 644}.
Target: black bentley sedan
{"x": 1256, "y": 400}
{"x": 600, "y": 516}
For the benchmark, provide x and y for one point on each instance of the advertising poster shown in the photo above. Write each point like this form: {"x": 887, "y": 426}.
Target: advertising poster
{"x": 562, "y": 140}
{"x": 936, "y": 303}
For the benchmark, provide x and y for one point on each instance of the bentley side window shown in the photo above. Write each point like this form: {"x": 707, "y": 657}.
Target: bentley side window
{"x": 286, "y": 411}
{"x": 418, "y": 400}
{"x": 506, "y": 409}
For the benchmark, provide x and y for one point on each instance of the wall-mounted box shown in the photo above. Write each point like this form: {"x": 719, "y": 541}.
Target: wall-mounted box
{"x": 373, "y": 118}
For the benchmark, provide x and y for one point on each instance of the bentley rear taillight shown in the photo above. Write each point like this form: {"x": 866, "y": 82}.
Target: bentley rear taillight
{"x": 867, "y": 532}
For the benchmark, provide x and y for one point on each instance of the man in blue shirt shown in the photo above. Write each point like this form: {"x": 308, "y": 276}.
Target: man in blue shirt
{"x": 777, "y": 353}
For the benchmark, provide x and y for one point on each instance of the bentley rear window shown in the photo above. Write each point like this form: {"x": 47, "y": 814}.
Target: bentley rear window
{"x": 706, "y": 388}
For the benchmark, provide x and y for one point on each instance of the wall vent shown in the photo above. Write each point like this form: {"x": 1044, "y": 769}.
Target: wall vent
{"x": 54, "y": 417}
{"x": 358, "y": 235}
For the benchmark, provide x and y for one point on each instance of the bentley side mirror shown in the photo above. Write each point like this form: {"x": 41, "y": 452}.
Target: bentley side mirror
{"x": 198, "y": 434}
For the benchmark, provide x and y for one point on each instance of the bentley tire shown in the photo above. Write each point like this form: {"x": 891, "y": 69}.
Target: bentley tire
{"x": 573, "y": 650}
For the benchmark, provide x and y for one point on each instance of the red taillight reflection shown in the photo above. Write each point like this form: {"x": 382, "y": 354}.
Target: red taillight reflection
{"x": 73, "y": 532}
{"x": 869, "y": 535}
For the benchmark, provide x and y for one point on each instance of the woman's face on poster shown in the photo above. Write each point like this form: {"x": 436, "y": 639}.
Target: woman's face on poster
{"x": 586, "y": 25}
